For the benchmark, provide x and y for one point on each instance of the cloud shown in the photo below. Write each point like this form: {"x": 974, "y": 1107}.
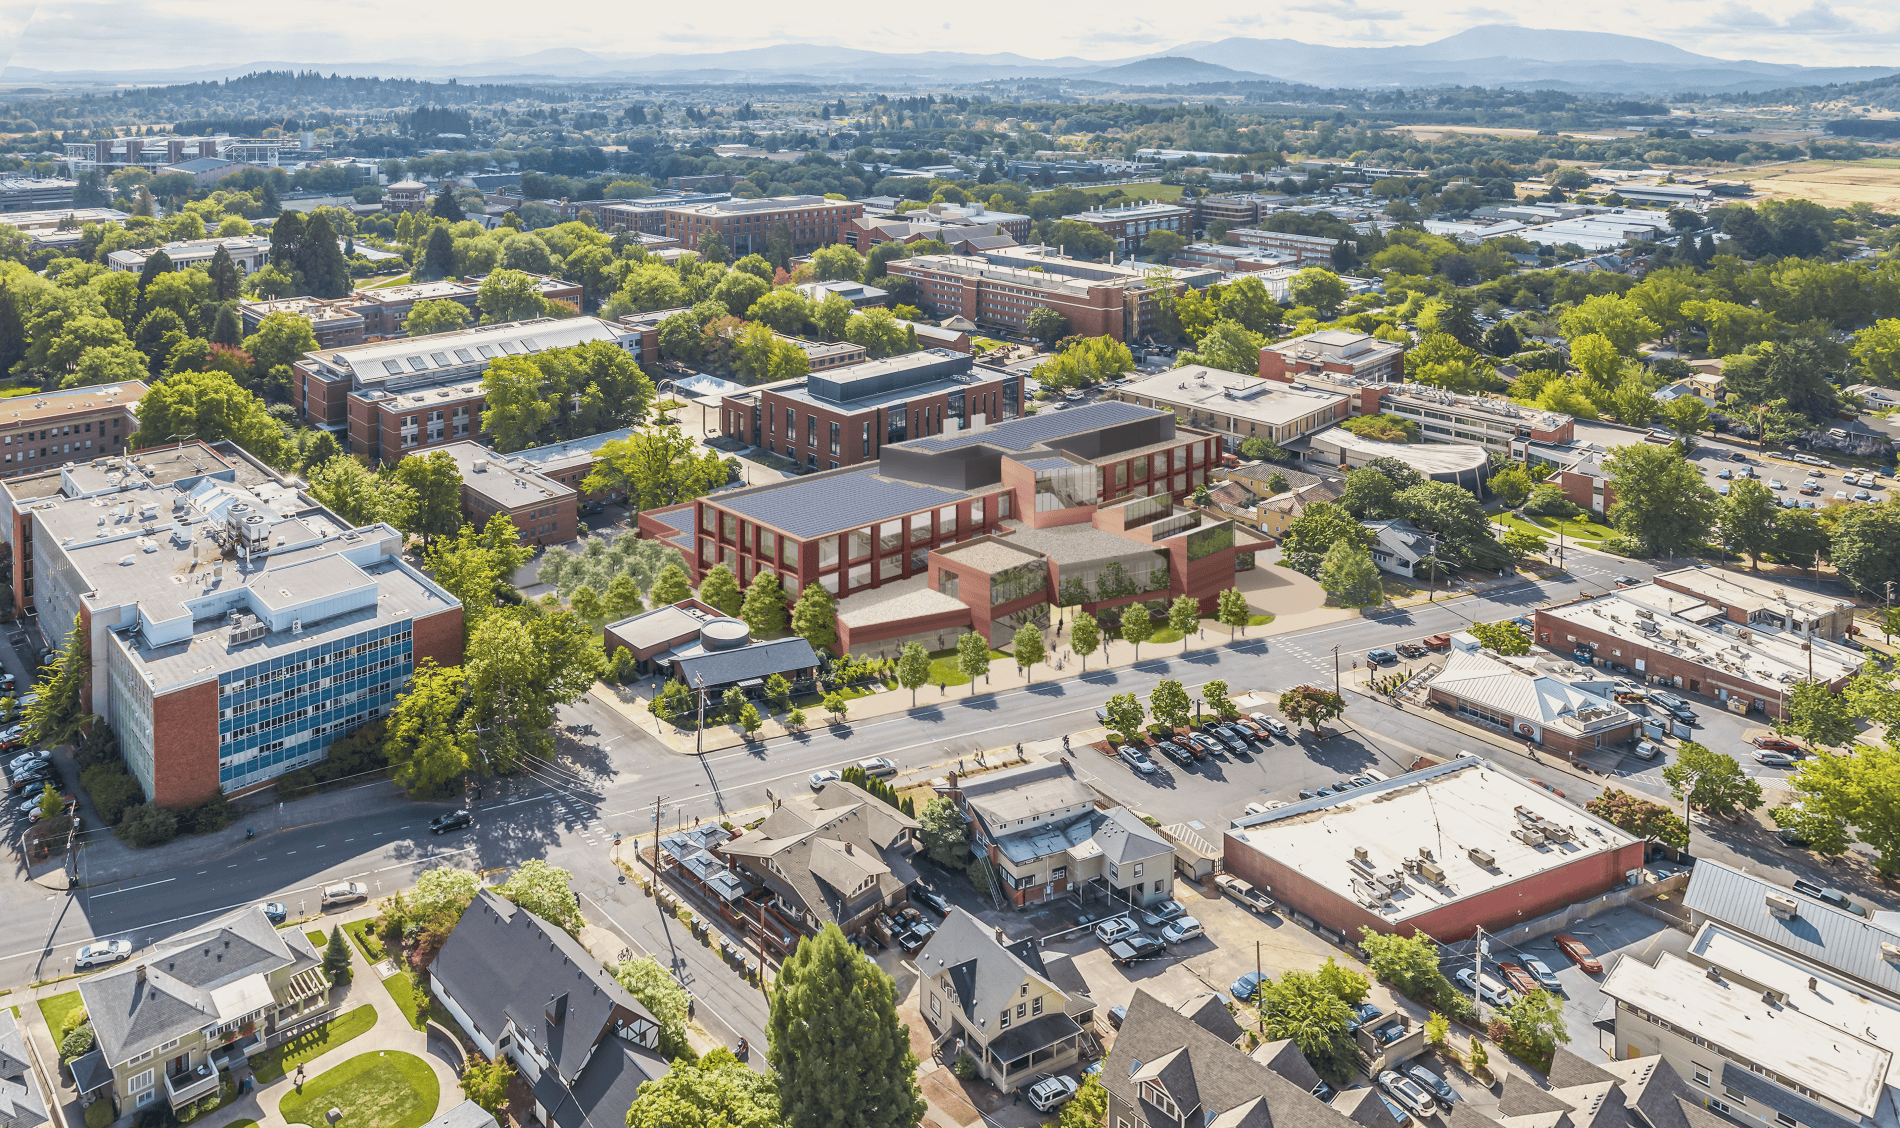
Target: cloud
{"x": 1345, "y": 10}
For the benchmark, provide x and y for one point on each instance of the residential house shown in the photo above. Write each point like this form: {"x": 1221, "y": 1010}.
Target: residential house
{"x": 21, "y": 1104}
{"x": 523, "y": 989}
{"x": 167, "y": 1019}
{"x": 998, "y": 999}
{"x": 838, "y": 856}
{"x": 1045, "y": 836}
{"x": 1399, "y": 547}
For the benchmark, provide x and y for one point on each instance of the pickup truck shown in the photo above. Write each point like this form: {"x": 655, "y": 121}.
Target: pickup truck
{"x": 1246, "y": 894}
{"x": 1438, "y": 642}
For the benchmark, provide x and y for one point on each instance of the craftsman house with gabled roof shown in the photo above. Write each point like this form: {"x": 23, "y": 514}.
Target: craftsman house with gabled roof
{"x": 166, "y": 1020}
{"x": 839, "y": 856}
{"x": 524, "y": 989}
{"x": 1000, "y": 1002}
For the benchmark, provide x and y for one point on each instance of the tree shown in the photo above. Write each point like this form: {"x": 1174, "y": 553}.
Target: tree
{"x": 446, "y": 207}
{"x": 1661, "y": 501}
{"x": 1137, "y": 627}
{"x": 830, "y": 315}
{"x": 878, "y": 332}
{"x": 778, "y": 691}
{"x": 1349, "y": 577}
{"x": 442, "y": 891}
{"x": 1613, "y": 317}
{"x": 486, "y": 1082}
{"x": 719, "y": 589}
{"x": 438, "y": 254}
{"x": 660, "y": 993}
{"x": 211, "y": 407}
{"x": 784, "y": 311}
{"x": 55, "y": 718}
{"x": 716, "y": 1090}
{"x": 430, "y": 741}
{"x": 973, "y": 657}
{"x": 1214, "y": 696}
{"x": 544, "y": 890}
{"x": 358, "y": 497}
{"x": 1169, "y": 704}
{"x": 1502, "y": 339}
{"x": 320, "y": 261}
{"x": 1409, "y": 963}
{"x": 764, "y": 605}
{"x": 738, "y": 290}
{"x": 509, "y": 295}
{"x": 1227, "y": 345}
{"x": 1861, "y": 548}
{"x": 1231, "y": 610}
{"x": 1503, "y": 638}
{"x": 815, "y": 618}
{"x": 586, "y": 602}
{"x": 1088, "y": 1109}
{"x": 1029, "y": 650}
{"x": 1652, "y": 822}
{"x": 336, "y": 957}
{"x": 1311, "y": 535}
{"x": 436, "y": 485}
{"x": 1686, "y": 415}
{"x": 838, "y": 705}
{"x": 1160, "y": 246}
{"x": 1819, "y": 715}
{"x": 1125, "y": 715}
{"x": 1511, "y": 486}
{"x": 1301, "y": 1007}
{"x": 1318, "y": 288}
{"x": 1085, "y": 635}
{"x": 834, "y": 1015}
{"x": 476, "y": 564}
{"x": 672, "y": 586}
{"x": 1748, "y": 517}
{"x": 1311, "y": 705}
{"x": 1184, "y": 616}
{"x": 836, "y": 262}
{"x": 1046, "y": 325}
{"x": 913, "y": 668}
{"x": 657, "y": 467}
{"x": 1537, "y": 1026}
{"x": 1521, "y": 543}
{"x": 1712, "y": 781}
{"x": 437, "y": 316}
{"x": 942, "y": 832}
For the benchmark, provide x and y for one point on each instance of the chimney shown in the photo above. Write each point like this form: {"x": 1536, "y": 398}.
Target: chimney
{"x": 847, "y": 847}
{"x": 999, "y": 935}
{"x": 139, "y": 972}
{"x": 557, "y": 1008}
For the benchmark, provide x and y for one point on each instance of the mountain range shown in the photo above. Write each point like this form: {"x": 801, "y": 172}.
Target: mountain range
{"x": 1493, "y": 55}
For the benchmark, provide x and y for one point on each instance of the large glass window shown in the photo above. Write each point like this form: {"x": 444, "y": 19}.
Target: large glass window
{"x": 947, "y": 521}
{"x": 1140, "y": 468}
{"x": 919, "y": 527}
{"x": 896, "y": 422}
{"x": 860, "y": 543}
{"x": 728, "y": 526}
{"x": 1015, "y": 583}
{"x": 1011, "y": 405}
{"x": 976, "y": 514}
{"x": 1066, "y": 488}
{"x": 1206, "y": 542}
{"x": 768, "y": 544}
{"x": 1002, "y": 506}
{"x": 834, "y": 439}
{"x": 1121, "y": 475}
{"x": 956, "y": 405}
{"x": 811, "y": 430}
{"x": 827, "y": 552}
{"x": 707, "y": 518}
{"x": 791, "y": 426}
{"x": 867, "y": 438}
{"x": 788, "y": 552}
{"x": 829, "y": 581}
{"x": 947, "y": 583}
{"x": 890, "y": 535}
{"x": 861, "y": 576}
{"x": 891, "y": 568}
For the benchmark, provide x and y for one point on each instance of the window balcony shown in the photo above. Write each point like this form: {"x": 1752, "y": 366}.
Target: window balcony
{"x": 190, "y": 1085}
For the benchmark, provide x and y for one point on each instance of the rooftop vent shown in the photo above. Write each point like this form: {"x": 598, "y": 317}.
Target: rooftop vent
{"x": 1783, "y": 907}
{"x": 1482, "y": 857}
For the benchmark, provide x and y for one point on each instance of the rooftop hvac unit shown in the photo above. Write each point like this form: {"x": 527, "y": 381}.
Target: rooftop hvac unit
{"x": 1556, "y": 833}
{"x": 1529, "y": 836}
{"x": 1890, "y": 951}
{"x": 1713, "y": 972}
{"x": 1432, "y": 871}
{"x": 1482, "y": 857}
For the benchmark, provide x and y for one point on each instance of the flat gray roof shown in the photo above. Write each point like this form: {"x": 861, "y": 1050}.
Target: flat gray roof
{"x": 835, "y": 500}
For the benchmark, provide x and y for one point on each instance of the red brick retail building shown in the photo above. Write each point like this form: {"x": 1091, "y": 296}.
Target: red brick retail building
{"x": 1443, "y": 851}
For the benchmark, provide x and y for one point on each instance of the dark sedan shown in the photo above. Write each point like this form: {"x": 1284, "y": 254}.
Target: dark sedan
{"x": 454, "y": 820}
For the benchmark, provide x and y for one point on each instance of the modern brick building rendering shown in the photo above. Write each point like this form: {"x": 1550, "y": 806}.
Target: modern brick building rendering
{"x": 1443, "y": 851}
{"x": 392, "y": 398}
{"x": 745, "y": 225}
{"x": 236, "y": 627}
{"x": 846, "y": 417}
{"x": 52, "y": 429}
{"x": 1336, "y": 351}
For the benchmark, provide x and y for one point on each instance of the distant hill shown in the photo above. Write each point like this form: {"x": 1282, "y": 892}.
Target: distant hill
{"x": 1171, "y": 70}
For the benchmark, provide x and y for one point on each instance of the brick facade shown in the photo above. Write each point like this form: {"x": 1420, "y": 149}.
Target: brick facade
{"x": 744, "y": 226}
{"x": 805, "y": 434}
{"x": 438, "y": 636}
{"x": 185, "y": 745}
{"x": 948, "y": 286}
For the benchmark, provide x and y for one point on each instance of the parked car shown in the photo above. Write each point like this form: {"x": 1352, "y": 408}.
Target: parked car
{"x": 1363, "y": 1013}
{"x": 1578, "y": 953}
{"x": 1523, "y": 982}
{"x": 276, "y": 912}
{"x": 1388, "y": 1032}
{"x": 1180, "y": 931}
{"x": 1438, "y": 642}
{"x": 878, "y": 767}
{"x": 454, "y": 820}
{"x": 1675, "y": 705}
{"x": 819, "y": 779}
{"x": 1273, "y": 725}
{"x": 1114, "y": 929}
{"x": 930, "y": 899}
{"x": 1776, "y": 744}
{"x": 1486, "y": 988}
{"x": 1325, "y": 1092}
{"x": 1410, "y": 650}
{"x": 1863, "y": 495}
{"x": 19, "y": 763}
{"x": 345, "y": 893}
{"x": 1540, "y": 971}
{"x": 1431, "y": 1083}
{"x": 1246, "y": 987}
{"x": 1775, "y": 759}
{"x": 1627, "y": 581}
{"x": 1407, "y": 1092}
{"x": 1175, "y": 752}
{"x": 1231, "y": 737}
{"x": 1137, "y": 946}
{"x": 1646, "y": 750}
{"x": 1263, "y": 808}
{"x": 1117, "y": 1015}
{"x": 102, "y": 953}
{"x": 34, "y": 777}
{"x": 1198, "y": 745}
{"x": 1163, "y": 911}
{"x": 1725, "y": 473}
{"x": 1136, "y": 758}
{"x": 1381, "y": 655}
{"x": 1049, "y": 1092}
{"x": 1254, "y": 729}
{"x": 916, "y": 934}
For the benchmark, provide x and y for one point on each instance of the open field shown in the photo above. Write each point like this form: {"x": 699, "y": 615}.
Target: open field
{"x": 1833, "y": 184}
{"x": 1166, "y": 193}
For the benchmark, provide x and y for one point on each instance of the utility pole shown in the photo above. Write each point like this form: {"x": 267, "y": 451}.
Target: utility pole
{"x": 1260, "y": 1017}
{"x": 1477, "y": 976}
{"x": 699, "y": 734}
{"x": 673, "y": 955}
{"x": 1335, "y": 670}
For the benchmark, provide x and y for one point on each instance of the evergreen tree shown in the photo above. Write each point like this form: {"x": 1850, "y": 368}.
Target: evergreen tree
{"x": 445, "y": 206}
{"x": 336, "y": 957}
{"x": 12, "y": 332}
{"x": 815, "y": 619}
{"x": 286, "y": 241}
{"x": 842, "y": 1056}
{"x": 326, "y": 274}
{"x": 270, "y": 202}
{"x": 438, "y": 255}
{"x": 226, "y": 329}
{"x": 159, "y": 263}
{"x": 224, "y": 276}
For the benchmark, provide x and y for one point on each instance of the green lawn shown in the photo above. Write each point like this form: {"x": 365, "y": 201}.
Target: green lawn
{"x": 313, "y": 1043}
{"x": 55, "y": 1010}
{"x": 380, "y": 1090}
{"x": 1575, "y": 529}
{"x": 1165, "y": 634}
{"x": 943, "y": 667}
{"x": 1167, "y": 193}
{"x": 366, "y": 941}
{"x": 1259, "y": 620}
{"x": 320, "y": 938}
{"x": 10, "y": 390}
{"x": 398, "y": 280}
{"x": 402, "y": 988}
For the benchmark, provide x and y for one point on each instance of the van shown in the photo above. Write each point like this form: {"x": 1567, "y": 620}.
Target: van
{"x": 878, "y": 767}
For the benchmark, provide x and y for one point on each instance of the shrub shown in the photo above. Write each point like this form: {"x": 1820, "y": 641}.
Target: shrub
{"x": 74, "y": 1020}
{"x": 148, "y": 825}
{"x": 965, "y": 1068}
{"x": 77, "y": 1043}
{"x": 113, "y": 790}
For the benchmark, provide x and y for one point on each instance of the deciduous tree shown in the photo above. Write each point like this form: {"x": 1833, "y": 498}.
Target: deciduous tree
{"x": 1085, "y": 635}
{"x": 544, "y": 890}
{"x": 1311, "y": 705}
{"x": 1712, "y": 781}
{"x": 1650, "y": 821}
{"x": 1349, "y": 577}
{"x": 1028, "y": 649}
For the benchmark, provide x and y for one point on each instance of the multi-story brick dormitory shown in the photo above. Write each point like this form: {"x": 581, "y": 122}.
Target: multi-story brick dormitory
{"x": 977, "y": 529}
{"x": 72, "y": 425}
{"x": 1131, "y": 224}
{"x": 235, "y": 627}
{"x": 392, "y": 398}
{"x": 845, "y": 416}
{"x": 1664, "y": 635}
{"x": 1002, "y": 288}
{"x": 745, "y": 225}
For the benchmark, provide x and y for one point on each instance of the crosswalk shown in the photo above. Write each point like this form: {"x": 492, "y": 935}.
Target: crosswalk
{"x": 580, "y": 817}
{"x": 1319, "y": 663}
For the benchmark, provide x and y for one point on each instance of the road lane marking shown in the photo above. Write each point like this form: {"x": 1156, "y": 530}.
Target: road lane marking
{"x": 133, "y": 889}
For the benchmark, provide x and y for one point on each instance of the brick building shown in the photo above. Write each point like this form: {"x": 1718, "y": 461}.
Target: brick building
{"x": 40, "y": 432}
{"x": 543, "y": 509}
{"x": 406, "y": 195}
{"x": 1443, "y": 851}
{"x": 1661, "y": 635}
{"x": 1304, "y": 250}
{"x": 1004, "y": 297}
{"x": 745, "y": 225}
{"x": 391, "y": 398}
{"x": 236, "y": 627}
{"x": 1131, "y": 224}
{"x": 1238, "y": 209}
{"x": 845, "y": 416}
{"x": 569, "y": 461}
{"x": 1089, "y": 493}
{"x": 337, "y": 322}
{"x": 1364, "y": 358}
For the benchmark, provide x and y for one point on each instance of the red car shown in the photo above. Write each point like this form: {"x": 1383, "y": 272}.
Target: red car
{"x": 1776, "y": 744}
{"x": 1578, "y": 954}
{"x": 1518, "y": 978}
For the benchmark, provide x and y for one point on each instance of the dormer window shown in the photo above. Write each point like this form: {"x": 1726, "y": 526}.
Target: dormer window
{"x": 1158, "y": 1097}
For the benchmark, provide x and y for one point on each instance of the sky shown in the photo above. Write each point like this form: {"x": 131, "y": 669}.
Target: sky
{"x": 61, "y": 35}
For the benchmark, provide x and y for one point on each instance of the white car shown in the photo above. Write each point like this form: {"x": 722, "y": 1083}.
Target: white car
{"x": 878, "y": 766}
{"x": 1263, "y": 808}
{"x": 102, "y": 953}
{"x": 1273, "y": 724}
{"x": 19, "y": 762}
{"x": 345, "y": 893}
{"x": 819, "y": 779}
{"x": 1485, "y": 987}
{"x": 1162, "y": 911}
{"x": 1187, "y": 928}
{"x": 1406, "y": 1091}
{"x": 1110, "y": 931}
{"x": 1049, "y": 1092}
{"x": 1647, "y": 751}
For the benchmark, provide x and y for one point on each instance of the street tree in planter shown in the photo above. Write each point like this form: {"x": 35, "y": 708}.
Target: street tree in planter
{"x": 1232, "y": 611}
{"x": 1312, "y": 706}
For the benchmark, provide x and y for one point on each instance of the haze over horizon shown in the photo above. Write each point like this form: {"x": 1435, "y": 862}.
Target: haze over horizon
{"x": 90, "y": 35}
